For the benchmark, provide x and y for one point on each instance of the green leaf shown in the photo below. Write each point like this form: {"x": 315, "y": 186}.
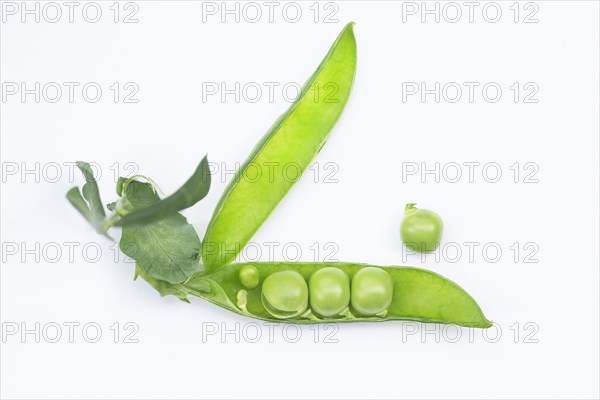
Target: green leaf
{"x": 282, "y": 155}
{"x": 89, "y": 205}
{"x": 76, "y": 199}
{"x": 192, "y": 191}
{"x": 164, "y": 288}
{"x": 90, "y": 190}
{"x": 167, "y": 249}
{"x": 140, "y": 194}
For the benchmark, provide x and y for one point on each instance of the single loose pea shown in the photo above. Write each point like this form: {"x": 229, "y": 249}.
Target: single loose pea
{"x": 421, "y": 229}
{"x": 329, "y": 290}
{"x": 249, "y": 276}
{"x": 285, "y": 294}
{"x": 372, "y": 291}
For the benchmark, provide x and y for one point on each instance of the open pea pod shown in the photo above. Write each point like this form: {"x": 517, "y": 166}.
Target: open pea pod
{"x": 417, "y": 294}
{"x": 290, "y": 145}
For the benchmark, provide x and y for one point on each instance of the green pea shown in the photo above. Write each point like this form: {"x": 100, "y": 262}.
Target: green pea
{"x": 329, "y": 290}
{"x": 421, "y": 230}
{"x": 372, "y": 290}
{"x": 285, "y": 294}
{"x": 249, "y": 276}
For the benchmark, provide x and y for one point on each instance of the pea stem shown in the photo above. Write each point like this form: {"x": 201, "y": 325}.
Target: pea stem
{"x": 410, "y": 208}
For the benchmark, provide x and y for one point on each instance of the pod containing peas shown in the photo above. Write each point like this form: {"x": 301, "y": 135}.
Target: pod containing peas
{"x": 335, "y": 292}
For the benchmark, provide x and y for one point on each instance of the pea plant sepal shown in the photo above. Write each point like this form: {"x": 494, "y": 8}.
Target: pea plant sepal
{"x": 154, "y": 233}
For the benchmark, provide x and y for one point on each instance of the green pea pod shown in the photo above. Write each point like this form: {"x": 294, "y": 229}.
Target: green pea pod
{"x": 418, "y": 295}
{"x": 290, "y": 145}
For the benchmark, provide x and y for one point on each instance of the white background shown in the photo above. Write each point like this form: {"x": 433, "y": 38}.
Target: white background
{"x": 545, "y": 344}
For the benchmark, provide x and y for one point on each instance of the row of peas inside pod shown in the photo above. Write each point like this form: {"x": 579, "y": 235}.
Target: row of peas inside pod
{"x": 328, "y": 293}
